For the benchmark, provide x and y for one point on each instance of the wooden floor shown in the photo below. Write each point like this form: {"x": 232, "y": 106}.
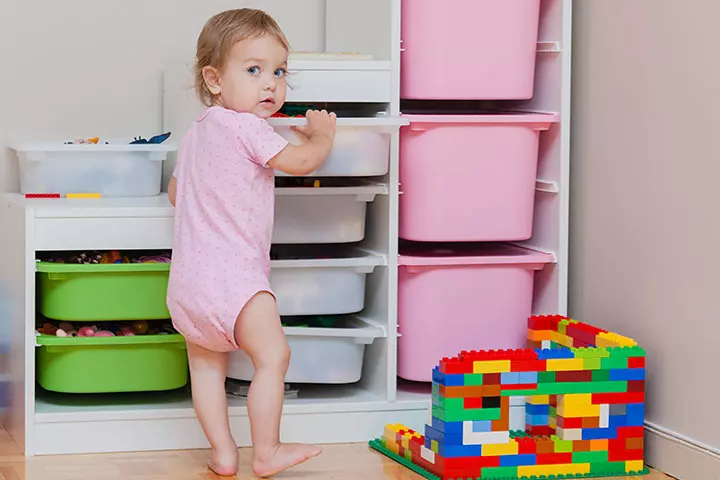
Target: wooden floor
{"x": 338, "y": 462}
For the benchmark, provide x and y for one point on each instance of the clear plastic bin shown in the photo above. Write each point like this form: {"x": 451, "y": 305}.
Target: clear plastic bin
{"x": 116, "y": 170}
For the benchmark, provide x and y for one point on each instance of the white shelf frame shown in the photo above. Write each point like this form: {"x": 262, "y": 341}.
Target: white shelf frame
{"x": 353, "y": 413}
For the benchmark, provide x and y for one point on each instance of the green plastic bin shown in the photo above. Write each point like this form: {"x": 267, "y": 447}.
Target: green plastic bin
{"x": 103, "y": 292}
{"x": 112, "y": 364}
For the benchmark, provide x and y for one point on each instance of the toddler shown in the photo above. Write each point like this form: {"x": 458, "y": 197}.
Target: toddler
{"x": 219, "y": 294}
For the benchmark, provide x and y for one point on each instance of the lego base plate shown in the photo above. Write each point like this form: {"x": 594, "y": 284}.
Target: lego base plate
{"x": 377, "y": 445}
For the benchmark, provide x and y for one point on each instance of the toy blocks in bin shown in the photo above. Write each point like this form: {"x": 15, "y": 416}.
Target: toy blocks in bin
{"x": 584, "y": 390}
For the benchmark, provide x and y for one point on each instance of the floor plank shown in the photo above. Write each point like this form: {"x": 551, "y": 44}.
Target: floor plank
{"x": 338, "y": 462}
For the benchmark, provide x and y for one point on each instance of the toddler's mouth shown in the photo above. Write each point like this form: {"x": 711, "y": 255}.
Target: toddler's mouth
{"x": 268, "y": 101}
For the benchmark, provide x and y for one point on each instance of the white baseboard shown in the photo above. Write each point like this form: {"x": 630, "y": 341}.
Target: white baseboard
{"x": 680, "y": 457}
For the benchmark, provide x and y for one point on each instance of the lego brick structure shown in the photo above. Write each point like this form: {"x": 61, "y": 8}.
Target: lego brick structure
{"x": 584, "y": 390}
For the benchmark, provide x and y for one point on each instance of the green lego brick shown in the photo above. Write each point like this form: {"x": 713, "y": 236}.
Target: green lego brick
{"x": 562, "y": 446}
{"x": 378, "y": 445}
{"x": 473, "y": 379}
{"x": 597, "y": 470}
{"x": 592, "y": 363}
{"x": 451, "y": 404}
{"x": 608, "y": 468}
{"x": 601, "y": 375}
{"x": 614, "y": 363}
{"x": 477, "y": 414}
{"x": 546, "y": 377}
{"x": 570, "y": 387}
{"x": 590, "y": 457}
{"x": 553, "y": 412}
{"x": 626, "y": 352}
{"x": 499, "y": 473}
{"x": 562, "y": 327}
{"x": 554, "y": 345}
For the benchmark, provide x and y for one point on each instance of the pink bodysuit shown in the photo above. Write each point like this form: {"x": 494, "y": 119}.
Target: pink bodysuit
{"x": 223, "y": 224}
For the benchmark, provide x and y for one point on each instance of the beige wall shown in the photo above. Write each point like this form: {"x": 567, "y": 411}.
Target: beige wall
{"x": 645, "y": 220}
{"x": 81, "y": 68}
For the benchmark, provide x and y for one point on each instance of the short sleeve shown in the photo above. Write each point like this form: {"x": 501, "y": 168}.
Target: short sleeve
{"x": 259, "y": 139}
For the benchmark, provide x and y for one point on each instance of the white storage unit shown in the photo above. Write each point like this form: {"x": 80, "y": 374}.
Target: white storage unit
{"x": 345, "y": 408}
{"x": 113, "y": 170}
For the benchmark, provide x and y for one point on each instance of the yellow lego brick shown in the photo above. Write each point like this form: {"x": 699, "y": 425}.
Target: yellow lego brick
{"x": 634, "y": 466}
{"x": 393, "y": 447}
{"x": 491, "y": 366}
{"x": 538, "y": 399}
{"x": 552, "y": 422}
{"x": 562, "y": 469}
{"x": 618, "y": 340}
{"x": 391, "y": 432}
{"x": 578, "y": 399}
{"x": 434, "y": 446}
{"x": 539, "y": 335}
{"x": 495, "y": 450}
{"x": 83, "y": 195}
{"x": 578, "y": 411}
{"x": 406, "y": 441}
{"x": 564, "y": 364}
{"x": 561, "y": 339}
{"x": 598, "y": 445}
{"x": 605, "y": 343}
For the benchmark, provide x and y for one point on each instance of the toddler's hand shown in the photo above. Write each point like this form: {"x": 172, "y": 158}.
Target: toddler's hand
{"x": 319, "y": 123}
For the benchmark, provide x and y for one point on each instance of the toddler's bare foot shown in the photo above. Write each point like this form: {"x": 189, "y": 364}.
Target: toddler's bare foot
{"x": 224, "y": 462}
{"x": 282, "y": 457}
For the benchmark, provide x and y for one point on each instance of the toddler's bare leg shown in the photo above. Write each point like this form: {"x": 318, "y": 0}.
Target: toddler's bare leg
{"x": 258, "y": 331}
{"x": 207, "y": 372}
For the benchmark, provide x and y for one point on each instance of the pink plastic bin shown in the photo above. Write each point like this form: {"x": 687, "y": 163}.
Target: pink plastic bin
{"x": 469, "y": 178}
{"x": 462, "y": 298}
{"x": 469, "y": 49}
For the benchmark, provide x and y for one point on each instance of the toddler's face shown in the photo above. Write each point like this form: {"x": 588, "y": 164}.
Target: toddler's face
{"x": 253, "y": 79}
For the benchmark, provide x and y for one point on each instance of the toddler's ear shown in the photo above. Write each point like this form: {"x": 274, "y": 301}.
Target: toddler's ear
{"x": 212, "y": 79}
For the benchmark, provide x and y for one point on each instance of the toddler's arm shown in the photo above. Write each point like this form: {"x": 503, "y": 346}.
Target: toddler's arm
{"x": 172, "y": 190}
{"x": 304, "y": 159}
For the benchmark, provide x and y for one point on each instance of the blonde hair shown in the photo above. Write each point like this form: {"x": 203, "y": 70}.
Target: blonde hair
{"x": 221, "y": 32}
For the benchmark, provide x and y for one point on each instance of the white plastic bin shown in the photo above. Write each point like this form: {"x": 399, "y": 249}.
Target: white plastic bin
{"x": 318, "y": 355}
{"x": 321, "y": 282}
{"x": 361, "y": 147}
{"x": 322, "y": 215}
{"x": 116, "y": 170}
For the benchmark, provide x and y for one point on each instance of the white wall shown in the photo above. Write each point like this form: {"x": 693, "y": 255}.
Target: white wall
{"x": 82, "y": 68}
{"x": 645, "y": 208}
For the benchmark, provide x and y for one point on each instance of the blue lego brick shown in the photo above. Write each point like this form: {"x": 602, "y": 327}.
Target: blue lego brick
{"x": 443, "y": 438}
{"x": 618, "y": 421}
{"x": 599, "y": 433}
{"x": 510, "y": 378}
{"x": 537, "y": 420}
{"x": 555, "y": 353}
{"x": 627, "y": 374}
{"x": 482, "y": 426}
{"x": 537, "y": 409}
{"x": 455, "y": 451}
{"x": 448, "y": 380}
{"x": 527, "y": 378}
{"x": 635, "y": 416}
{"x": 449, "y": 428}
{"x": 518, "y": 460}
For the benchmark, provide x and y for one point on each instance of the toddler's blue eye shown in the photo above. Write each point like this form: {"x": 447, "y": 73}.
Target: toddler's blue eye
{"x": 280, "y": 72}
{"x": 253, "y": 70}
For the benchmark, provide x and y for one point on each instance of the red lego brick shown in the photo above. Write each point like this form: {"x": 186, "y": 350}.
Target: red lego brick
{"x": 539, "y": 430}
{"x": 522, "y": 386}
{"x": 577, "y": 376}
{"x": 625, "y": 455}
{"x": 528, "y": 365}
{"x": 42, "y": 195}
{"x": 630, "y": 432}
{"x": 553, "y": 458}
{"x": 617, "y": 398}
{"x": 471, "y": 462}
{"x": 491, "y": 379}
{"x": 563, "y": 422}
{"x": 636, "y": 362}
{"x": 526, "y": 445}
{"x": 635, "y": 386}
{"x": 455, "y": 366}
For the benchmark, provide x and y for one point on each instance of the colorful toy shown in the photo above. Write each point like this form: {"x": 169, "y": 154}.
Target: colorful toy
{"x": 154, "y": 140}
{"x": 110, "y": 329}
{"x": 585, "y": 409}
